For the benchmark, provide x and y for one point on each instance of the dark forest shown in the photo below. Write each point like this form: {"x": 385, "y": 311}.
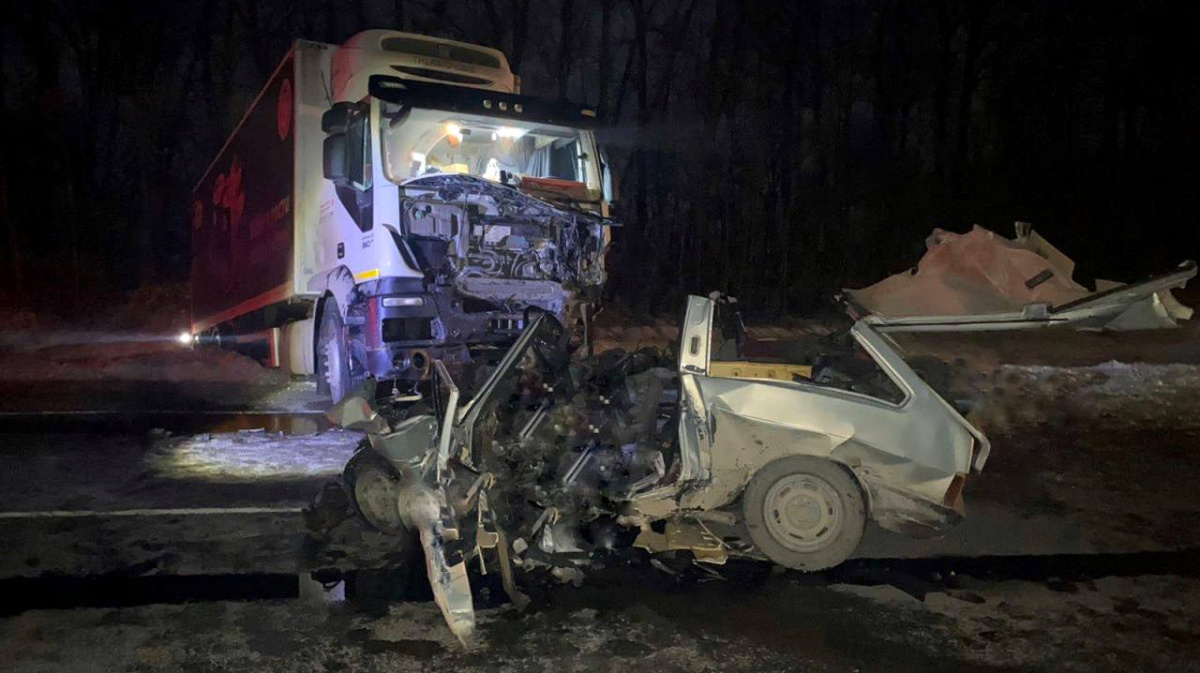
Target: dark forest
{"x": 777, "y": 151}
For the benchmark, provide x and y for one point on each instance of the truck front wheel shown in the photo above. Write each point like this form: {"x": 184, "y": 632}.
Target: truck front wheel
{"x": 333, "y": 354}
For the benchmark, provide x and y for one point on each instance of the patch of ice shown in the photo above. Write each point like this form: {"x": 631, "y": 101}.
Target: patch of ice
{"x": 238, "y": 456}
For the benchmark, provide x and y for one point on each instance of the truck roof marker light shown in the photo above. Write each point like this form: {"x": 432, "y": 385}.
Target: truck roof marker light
{"x": 503, "y": 105}
{"x": 518, "y": 107}
{"x": 487, "y": 103}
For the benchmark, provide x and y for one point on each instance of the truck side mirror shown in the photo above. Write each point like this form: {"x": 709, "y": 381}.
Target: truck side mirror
{"x": 345, "y": 143}
{"x": 333, "y": 158}
{"x": 339, "y": 117}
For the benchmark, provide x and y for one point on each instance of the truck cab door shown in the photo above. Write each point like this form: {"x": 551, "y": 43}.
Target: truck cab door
{"x": 347, "y": 159}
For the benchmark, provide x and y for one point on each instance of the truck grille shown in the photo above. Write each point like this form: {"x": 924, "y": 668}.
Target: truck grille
{"x": 407, "y": 329}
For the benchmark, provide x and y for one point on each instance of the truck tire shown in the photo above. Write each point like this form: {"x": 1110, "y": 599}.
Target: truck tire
{"x": 804, "y": 512}
{"x": 333, "y": 354}
{"x": 374, "y": 490}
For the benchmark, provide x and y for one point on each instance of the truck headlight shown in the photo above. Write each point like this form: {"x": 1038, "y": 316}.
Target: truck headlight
{"x": 393, "y": 302}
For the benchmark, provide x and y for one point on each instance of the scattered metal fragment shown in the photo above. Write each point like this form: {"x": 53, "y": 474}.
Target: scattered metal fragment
{"x": 663, "y": 567}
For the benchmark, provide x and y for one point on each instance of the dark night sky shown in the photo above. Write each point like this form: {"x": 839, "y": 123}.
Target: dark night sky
{"x": 775, "y": 150}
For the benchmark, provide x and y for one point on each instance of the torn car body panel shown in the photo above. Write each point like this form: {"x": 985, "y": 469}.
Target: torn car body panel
{"x": 1144, "y": 305}
{"x": 978, "y": 279}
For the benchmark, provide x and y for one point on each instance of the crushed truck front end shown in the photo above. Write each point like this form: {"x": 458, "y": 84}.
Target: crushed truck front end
{"x": 464, "y": 210}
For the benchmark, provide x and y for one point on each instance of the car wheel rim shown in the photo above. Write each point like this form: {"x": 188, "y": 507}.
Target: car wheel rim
{"x": 378, "y": 500}
{"x": 803, "y": 512}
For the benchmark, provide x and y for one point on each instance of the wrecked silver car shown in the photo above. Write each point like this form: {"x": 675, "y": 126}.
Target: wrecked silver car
{"x": 555, "y": 461}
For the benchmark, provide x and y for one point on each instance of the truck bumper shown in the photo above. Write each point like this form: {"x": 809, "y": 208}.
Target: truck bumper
{"x": 402, "y": 334}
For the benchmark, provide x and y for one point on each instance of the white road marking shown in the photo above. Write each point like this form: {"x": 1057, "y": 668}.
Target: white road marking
{"x": 77, "y": 514}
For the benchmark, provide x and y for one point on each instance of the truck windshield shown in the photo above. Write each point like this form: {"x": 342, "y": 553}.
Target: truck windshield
{"x": 420, "y": 142}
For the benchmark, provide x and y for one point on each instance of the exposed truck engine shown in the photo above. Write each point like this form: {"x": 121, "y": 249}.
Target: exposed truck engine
{"x": 490, "y": 251}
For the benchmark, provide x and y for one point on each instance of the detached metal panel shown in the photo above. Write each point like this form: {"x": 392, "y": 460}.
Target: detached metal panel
{"x": 243, "y": 211}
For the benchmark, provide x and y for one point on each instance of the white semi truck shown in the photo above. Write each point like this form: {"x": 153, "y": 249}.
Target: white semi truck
{"x": 392, "y": 201}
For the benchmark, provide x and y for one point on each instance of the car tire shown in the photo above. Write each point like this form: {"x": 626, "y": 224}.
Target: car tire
{"x": 804, "y": 512}
{"x": 333, "y": 354}
{"x": 374, "y": 489}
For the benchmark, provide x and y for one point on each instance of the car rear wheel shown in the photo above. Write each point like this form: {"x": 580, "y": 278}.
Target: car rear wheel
{"x": 804, "y": 512}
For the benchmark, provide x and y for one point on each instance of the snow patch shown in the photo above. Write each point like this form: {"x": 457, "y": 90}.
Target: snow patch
{"x": 254, "y": 455}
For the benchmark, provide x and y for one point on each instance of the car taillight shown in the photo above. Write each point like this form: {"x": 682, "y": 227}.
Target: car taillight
{"x": 953, "y": 498}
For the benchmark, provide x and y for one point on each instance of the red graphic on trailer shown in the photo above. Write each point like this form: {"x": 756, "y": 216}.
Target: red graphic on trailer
{"x": 242, "y": 208}
{"x": 283, "y": 109}
{"x": 228, "y": 192}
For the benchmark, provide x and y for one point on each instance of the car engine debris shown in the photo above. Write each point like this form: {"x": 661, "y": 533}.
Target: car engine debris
{"x": 535, "y": 487}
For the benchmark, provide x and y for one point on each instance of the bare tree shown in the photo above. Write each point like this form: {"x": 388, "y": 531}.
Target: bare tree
{"x": 16, "y": 258}
{"x": 566, "y": 41}
{"x": 976, "y": 40}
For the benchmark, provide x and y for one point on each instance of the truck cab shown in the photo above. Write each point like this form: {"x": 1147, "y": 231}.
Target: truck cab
{"x": 392, "y": 201}
{"x": 452, "y": 206}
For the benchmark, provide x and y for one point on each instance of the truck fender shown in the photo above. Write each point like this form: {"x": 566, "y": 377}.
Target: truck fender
{"x": 338, "y": 284}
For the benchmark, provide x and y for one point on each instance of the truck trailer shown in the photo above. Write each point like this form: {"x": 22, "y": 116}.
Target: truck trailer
{"x": 394, "y": 201}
